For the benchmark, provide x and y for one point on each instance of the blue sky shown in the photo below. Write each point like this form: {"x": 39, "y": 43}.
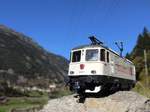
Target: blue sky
{"x": 59, "y": 25}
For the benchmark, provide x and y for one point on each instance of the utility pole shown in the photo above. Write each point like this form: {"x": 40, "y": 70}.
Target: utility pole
{"x": 146, "y": 68}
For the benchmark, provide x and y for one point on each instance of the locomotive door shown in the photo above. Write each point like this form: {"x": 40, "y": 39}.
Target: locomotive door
{"x": 109, "y": 64}
{"x": 107, "y": 69}
{"x": 112, "y": 65}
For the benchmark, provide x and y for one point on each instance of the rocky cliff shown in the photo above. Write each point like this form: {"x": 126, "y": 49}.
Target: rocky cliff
{"x": 123, "y": 101}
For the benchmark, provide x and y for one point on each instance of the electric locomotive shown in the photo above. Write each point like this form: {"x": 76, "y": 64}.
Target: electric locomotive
{"x": 95, "y": 67}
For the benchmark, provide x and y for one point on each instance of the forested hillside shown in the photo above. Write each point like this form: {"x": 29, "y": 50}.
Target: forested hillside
{"x": 137, "y": 56}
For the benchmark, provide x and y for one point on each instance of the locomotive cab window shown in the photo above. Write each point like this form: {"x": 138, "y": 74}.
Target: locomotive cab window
{"x": 102, "y": 55}
{"x": 76, "y": 56}
{"x": 92, "y": 55}
{"x": 107, "y": 56}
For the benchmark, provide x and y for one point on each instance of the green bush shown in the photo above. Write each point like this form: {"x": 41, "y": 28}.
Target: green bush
{"x": 59, "y": 93}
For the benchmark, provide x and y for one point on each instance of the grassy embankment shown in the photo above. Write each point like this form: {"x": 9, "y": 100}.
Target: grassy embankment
{"x": 142, "y": 88}
{"x": 34, "y": 99}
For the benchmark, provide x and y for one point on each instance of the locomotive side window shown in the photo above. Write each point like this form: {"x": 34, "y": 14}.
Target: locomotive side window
{"x": 102, "y": 54}
{"x": 107, "y": 56}
{"x": 92, "y": 55}
{"x": 76, "y": 56}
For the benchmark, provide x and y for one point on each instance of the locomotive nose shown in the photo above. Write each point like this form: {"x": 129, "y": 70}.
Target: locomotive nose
{"x": 82, "y": 66}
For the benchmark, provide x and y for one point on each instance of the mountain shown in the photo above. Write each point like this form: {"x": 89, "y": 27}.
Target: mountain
{"x": 24, "y": 62}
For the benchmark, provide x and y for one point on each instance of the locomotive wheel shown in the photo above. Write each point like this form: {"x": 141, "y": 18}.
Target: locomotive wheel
{"x": 118, "y": 86}
{"x": 115, "y": 87}
{"x": 130, "y": 86}
{"x": 105, "y": 89}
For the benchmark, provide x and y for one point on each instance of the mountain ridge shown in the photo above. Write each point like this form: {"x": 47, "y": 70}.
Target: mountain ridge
{"x": 24, "y": 62}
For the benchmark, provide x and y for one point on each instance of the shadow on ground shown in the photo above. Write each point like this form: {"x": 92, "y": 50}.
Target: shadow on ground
{"x": 101, "y": 94}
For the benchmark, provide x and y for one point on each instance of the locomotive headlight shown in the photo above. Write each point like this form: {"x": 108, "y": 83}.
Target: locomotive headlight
{"x": 93, "y": 71}
{"x": 71, "y": 72}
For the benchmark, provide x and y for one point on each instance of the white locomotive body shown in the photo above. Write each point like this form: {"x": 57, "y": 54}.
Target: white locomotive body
{"x": 96, "y": 65}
